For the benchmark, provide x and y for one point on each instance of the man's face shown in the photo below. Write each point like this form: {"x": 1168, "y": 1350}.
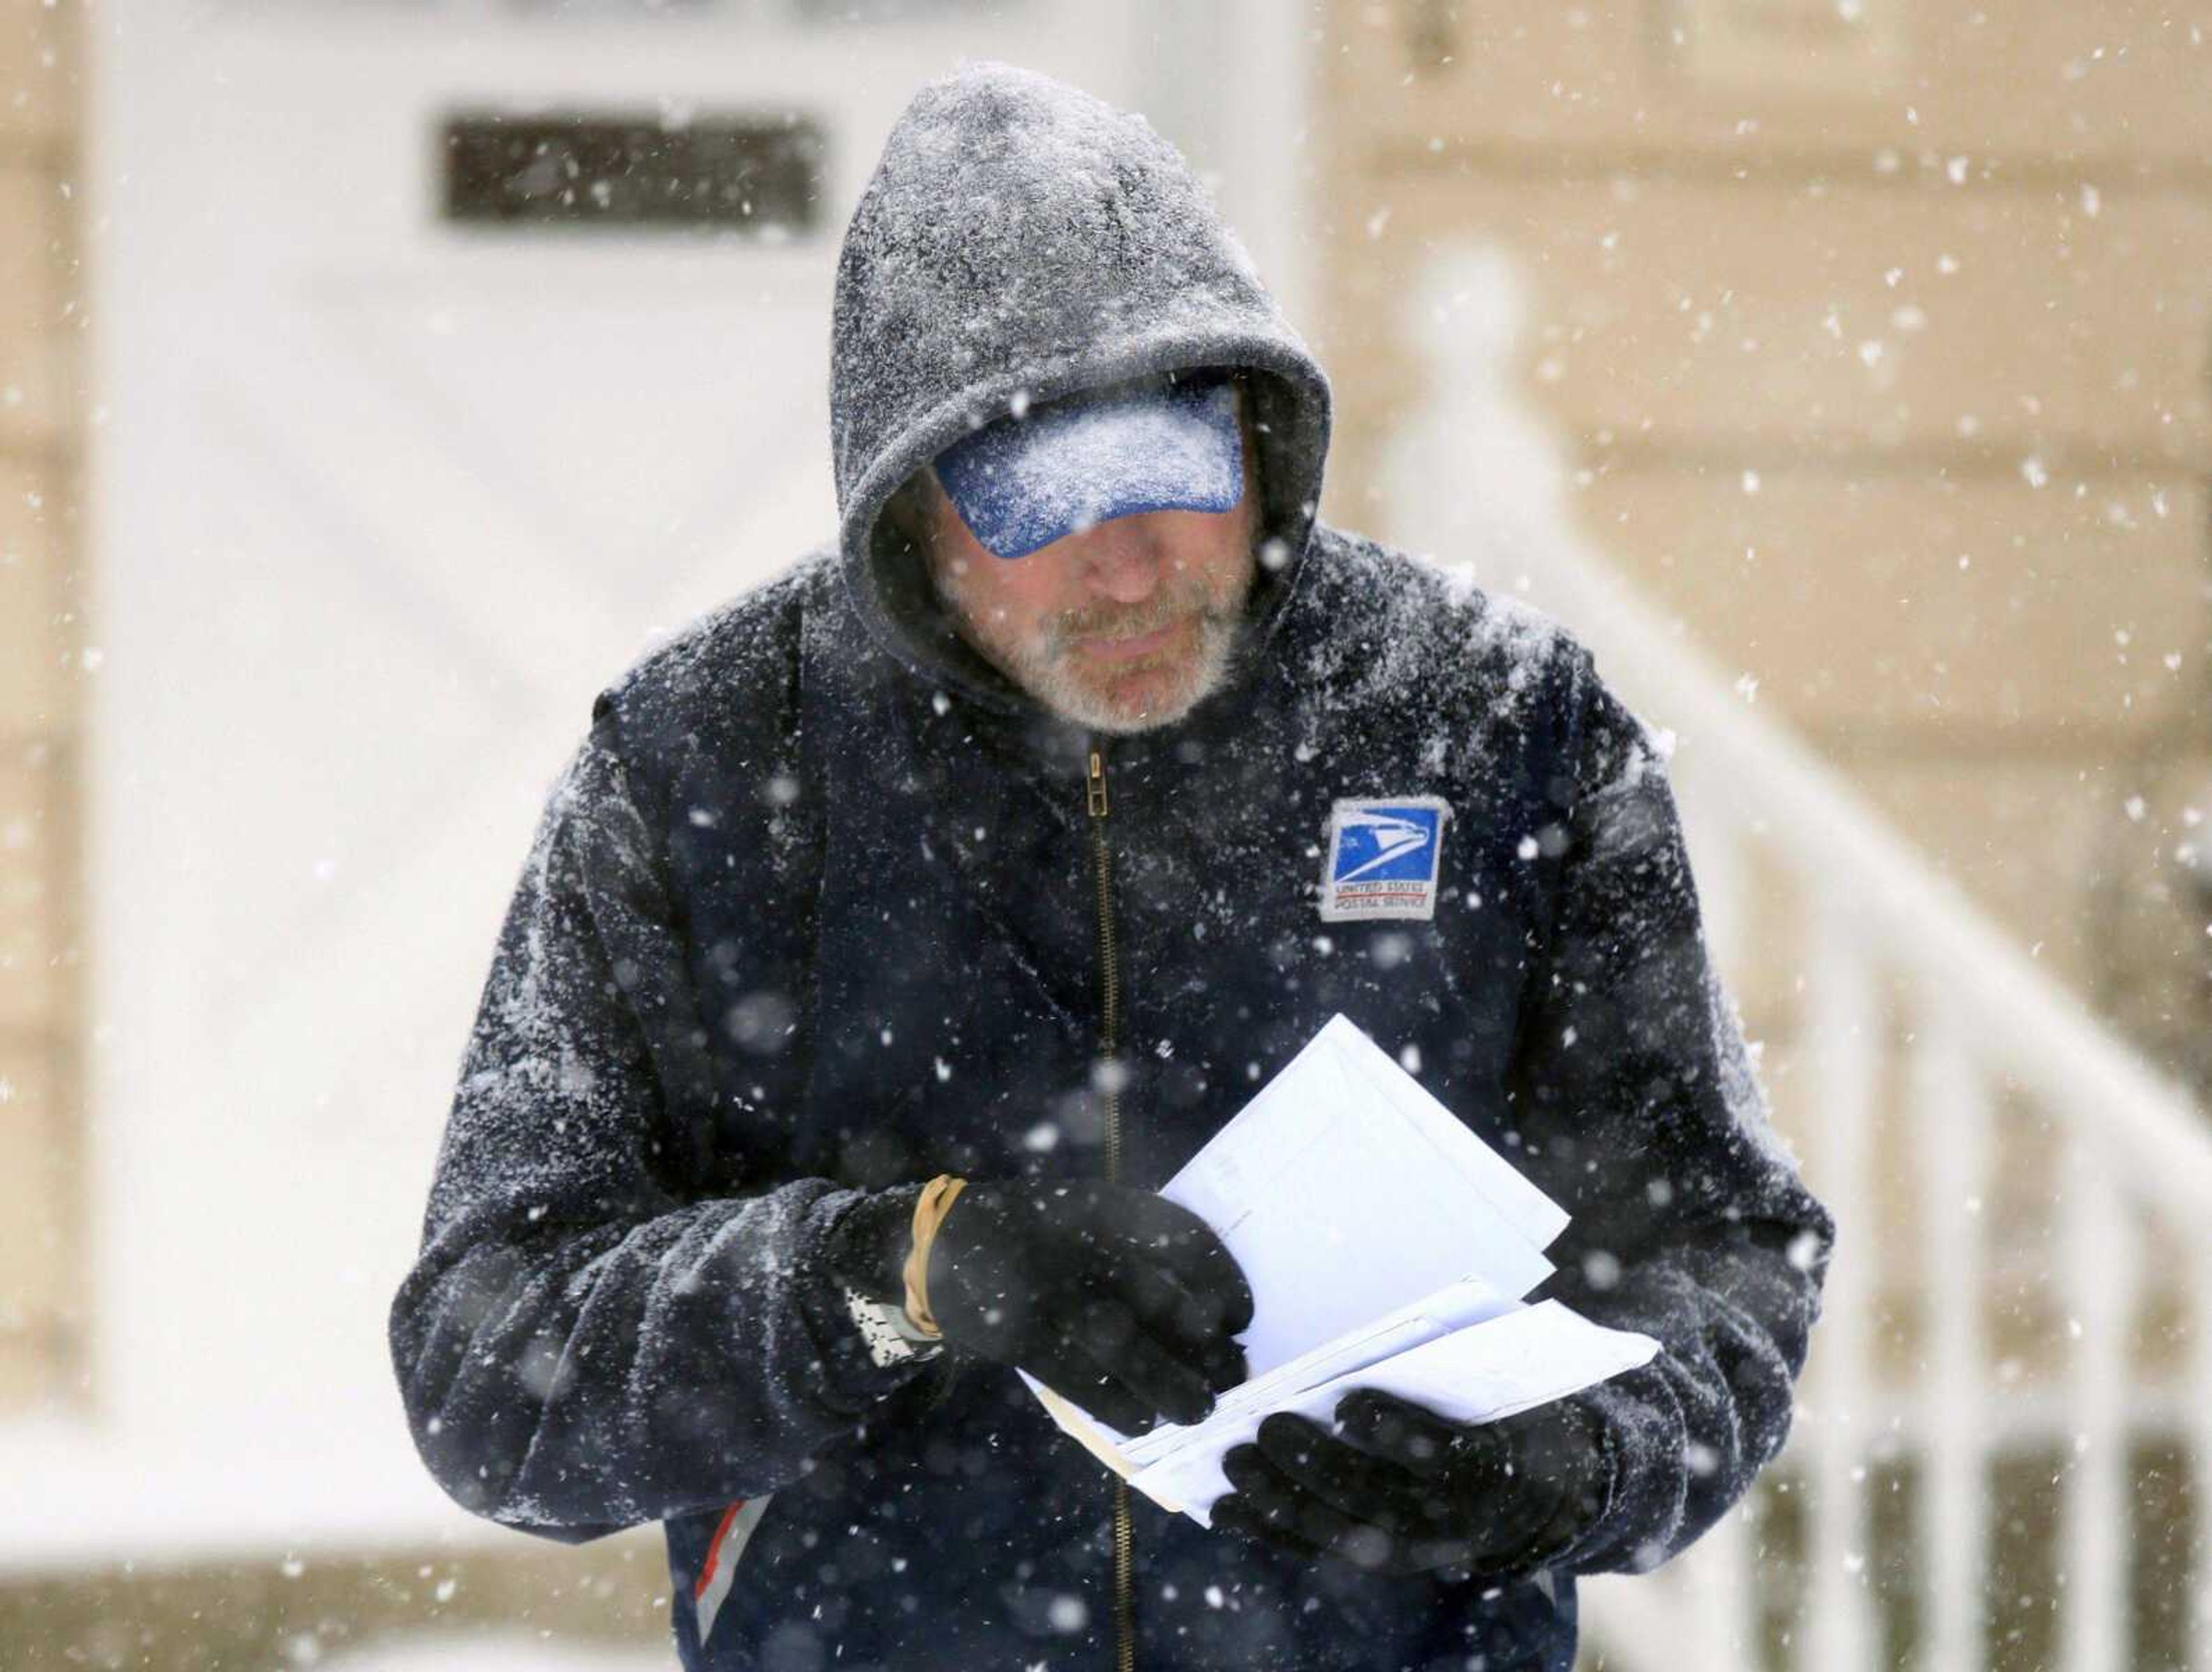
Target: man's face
{"x": 1118, "y": 627}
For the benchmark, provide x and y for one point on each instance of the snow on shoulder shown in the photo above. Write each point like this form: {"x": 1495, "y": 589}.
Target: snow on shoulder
{"x": 1398, "y": 617}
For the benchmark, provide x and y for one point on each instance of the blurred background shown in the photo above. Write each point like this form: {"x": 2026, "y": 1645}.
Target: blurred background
{"x": 377, "y": 378}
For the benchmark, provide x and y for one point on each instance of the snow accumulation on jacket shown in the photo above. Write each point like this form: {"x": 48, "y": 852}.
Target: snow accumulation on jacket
{"x": 812, "y": 913}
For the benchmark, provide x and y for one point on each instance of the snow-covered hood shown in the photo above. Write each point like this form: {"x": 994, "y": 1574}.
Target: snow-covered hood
{"x": 1018, "y": 241}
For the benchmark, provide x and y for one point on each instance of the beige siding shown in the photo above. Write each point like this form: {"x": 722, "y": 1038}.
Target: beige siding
{"x": 1793, "y": 312}
{"x": 31, "y": 908}
{"x": 34, "y": 1222}
{"x": 35, "y": 638}
{"x": 2118, "y": 86}
{"x": 43, "y": 1284}
{"x": 32, "y": 348}
{"x": 1843, "y": 592}
{"x": 37, "y": 74}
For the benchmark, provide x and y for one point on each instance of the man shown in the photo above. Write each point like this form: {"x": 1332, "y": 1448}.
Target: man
{"x": 899, "y": 929}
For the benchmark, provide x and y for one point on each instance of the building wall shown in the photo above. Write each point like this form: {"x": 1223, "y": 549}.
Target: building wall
{"x": 1877, "y": 339}
{"x": 46, "y": 654}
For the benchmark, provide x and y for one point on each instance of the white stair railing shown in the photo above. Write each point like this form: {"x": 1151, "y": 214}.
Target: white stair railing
{"x": 1924, "y": 1048}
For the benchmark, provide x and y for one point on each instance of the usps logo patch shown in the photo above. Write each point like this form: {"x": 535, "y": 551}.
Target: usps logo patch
{"x": 1384, "y": 858}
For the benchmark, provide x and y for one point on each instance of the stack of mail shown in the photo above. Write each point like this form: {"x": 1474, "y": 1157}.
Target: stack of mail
{"x": 1387, "y": 1246}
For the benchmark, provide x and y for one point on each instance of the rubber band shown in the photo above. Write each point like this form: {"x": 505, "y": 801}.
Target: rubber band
{"x": 929, "y": 1211}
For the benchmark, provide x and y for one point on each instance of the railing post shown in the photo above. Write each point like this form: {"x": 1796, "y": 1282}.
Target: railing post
{"x": 2097, "y": 1284}
{"x": 1844, "y": 1036}
{"x": 2196, "y": 1435}
{"x": 1950, "y": 1125}
{"x": 1719, "y": 1619}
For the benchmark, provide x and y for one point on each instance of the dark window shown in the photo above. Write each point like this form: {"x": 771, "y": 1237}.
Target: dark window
{"x": 752, "y": 173}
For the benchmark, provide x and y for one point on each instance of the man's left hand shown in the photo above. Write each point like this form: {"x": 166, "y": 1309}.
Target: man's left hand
{"x": 1408, "y": 1490}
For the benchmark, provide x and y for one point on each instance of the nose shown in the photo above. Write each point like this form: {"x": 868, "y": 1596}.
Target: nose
{"x": 1121, "y": 560}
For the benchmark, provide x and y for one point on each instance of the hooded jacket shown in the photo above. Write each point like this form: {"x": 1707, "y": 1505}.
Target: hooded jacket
{"x": 823, "y": 906}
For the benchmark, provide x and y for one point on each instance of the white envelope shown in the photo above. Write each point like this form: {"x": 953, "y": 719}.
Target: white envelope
{"x": 1386, "y": 1244}
{"x": 1345, "y": 1189}
{"x": 1509, "y": 1363}
{"x": 1451, "y": 1307}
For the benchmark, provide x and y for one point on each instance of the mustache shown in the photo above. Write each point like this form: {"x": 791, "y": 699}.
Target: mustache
{"x": 1134, "y": 623}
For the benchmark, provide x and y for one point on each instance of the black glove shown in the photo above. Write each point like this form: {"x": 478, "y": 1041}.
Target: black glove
{"x": 1407, "y": 1490}
{"x": 1113, "y": 1296}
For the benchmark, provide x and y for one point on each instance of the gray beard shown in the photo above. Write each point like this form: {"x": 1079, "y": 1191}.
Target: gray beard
{"x": 1066, "y": 696}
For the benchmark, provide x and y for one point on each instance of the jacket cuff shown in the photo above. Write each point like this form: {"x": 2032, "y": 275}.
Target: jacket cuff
{"x": 854, "y": 1379}
{"x": 867, "y": 1244}
{"x": 1640, "y": 1423}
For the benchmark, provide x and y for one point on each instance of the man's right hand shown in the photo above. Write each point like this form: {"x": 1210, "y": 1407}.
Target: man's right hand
{"x": 1115, "y": 1298}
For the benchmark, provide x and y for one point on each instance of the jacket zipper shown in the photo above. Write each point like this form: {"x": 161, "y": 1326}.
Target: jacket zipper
{"x": 1110, "y": 970}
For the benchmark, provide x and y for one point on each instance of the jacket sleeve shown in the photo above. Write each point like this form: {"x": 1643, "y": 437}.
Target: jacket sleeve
{"x": 584, "y": 1342}
{"x": 1642, "y": 1115}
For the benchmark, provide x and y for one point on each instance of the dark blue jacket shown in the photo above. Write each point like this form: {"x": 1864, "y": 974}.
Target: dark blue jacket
{"x": 815, "y": 911}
